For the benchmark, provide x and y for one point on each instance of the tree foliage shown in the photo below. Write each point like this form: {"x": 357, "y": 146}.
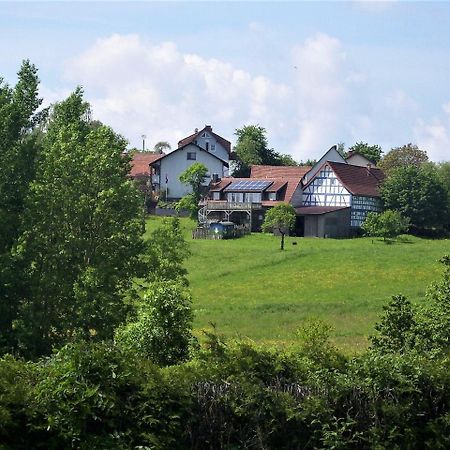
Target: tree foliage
{"x": 252, "y": 148}
{"x": 162, "y": 330}
{"x": 404, "y": 156}
{"x": 20, "y": 142}
{"x": 387, "y": 225}
{"x": 194, "y": 176}
{"x": 80, "y": 240}
{"x": 165, "y": 253}
{"x": 418, "y": 194}
{"x": 279, "y": 219}
{"x": 372, "y": 152}
{"x": 161, "y": 147}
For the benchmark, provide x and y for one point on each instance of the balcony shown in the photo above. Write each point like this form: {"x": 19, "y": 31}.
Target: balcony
{"x": 221, "y": 205}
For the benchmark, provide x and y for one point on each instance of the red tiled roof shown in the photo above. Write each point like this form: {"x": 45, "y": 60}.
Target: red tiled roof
{"x": 189, "y": 139}
{"x": 314, "y": 210}
{"x": 276, "y": 186}
{"x": 261, "y": 171}
{"x": 290, "y": 183}
{"x": 140, "y": 163}
{"x": 222, "y": 184}
{"x": 358, "y": 180}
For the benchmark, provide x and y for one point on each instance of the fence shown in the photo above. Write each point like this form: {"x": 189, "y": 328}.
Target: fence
{"x": 206, "y": 233}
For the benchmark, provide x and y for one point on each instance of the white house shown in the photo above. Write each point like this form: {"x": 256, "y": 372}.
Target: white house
{"x": 204, "y": 147}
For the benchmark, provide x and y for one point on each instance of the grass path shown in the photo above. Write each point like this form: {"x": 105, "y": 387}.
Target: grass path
{"x": 249, "y": 288}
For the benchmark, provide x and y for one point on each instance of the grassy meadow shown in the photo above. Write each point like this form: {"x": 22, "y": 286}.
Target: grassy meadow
{"x": 251, "y": 289}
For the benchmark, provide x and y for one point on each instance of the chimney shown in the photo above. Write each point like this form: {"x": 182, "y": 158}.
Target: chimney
{"x": 196, "y": 131}
{"x": 208, "y": 127}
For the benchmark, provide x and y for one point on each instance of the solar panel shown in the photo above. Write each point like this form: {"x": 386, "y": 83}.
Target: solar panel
{"x": 248, "y": 185}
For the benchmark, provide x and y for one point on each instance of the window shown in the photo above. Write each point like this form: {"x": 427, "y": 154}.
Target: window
{"x": 207, "y": 146}
{"x": 216, "y": 195}
{"x": 213, "y": 147}
{"x": 192, "y": 156}
{"x": 272, "y": 195}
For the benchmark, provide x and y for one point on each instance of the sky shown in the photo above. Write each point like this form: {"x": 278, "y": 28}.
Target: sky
{"x": 313, "y": 74}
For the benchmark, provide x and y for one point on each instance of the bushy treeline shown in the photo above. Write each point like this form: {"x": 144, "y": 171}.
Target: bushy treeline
{"x": 236, "y": 394}
{"x": 95, "y": 396}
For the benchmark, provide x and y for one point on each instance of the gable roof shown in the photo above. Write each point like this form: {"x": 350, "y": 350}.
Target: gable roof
{"x": 331, "y": 155}
{"x": 353, "y": 153}
{"x": 190, "y": 139}
{"x": 185, "y": 145}
{"x": 141, "y": 161}
{"x": 358, "y": 180}
{"x": 262, "y": 171}
{"x": 285, "y": 185}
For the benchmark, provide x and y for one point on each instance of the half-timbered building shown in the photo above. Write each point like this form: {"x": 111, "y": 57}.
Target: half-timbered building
{"x": 337, "y": 199}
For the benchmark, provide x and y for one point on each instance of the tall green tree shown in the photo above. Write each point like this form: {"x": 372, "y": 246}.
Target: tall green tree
{"x": 372, "y": 152}
{"x": 404, "y": 156}
{"x": 252, "y": 148}
{"x": 418, "y": 194}
{"x": 81, "y": 235}
{"x": 194, "y": 176}
{"x": 20, "y": 140}
{"x": 280, "y": 219}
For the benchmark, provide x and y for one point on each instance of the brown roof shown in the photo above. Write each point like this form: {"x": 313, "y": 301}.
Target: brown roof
{"x": 358, "y": 180}
{"x": 276, "y": 186}
{"x": 189, "y": 139}
{"x": 290, "y": 183}
{"x": 222, "y": 184}
{"x": 140, "y": 163}
{"x": 315, "y": 210}
{"x": 261, "y": 171}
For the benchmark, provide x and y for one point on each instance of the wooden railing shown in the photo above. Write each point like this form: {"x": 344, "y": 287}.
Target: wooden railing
{"x": 220, "y": 205}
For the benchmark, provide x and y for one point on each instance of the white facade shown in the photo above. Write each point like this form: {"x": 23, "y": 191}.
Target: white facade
{"x": 175, "y": 163}
{"x": 326, "y": 190}
{"x": 359, "y": 160}
{"x": 208, "y": 142}
{"x": 330, "y": 155}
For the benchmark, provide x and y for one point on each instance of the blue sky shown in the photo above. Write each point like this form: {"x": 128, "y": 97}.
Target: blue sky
{"x": 312, "y": 73}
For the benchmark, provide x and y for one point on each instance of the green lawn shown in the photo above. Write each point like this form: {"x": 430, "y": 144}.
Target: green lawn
{"x": 249, "y": 288}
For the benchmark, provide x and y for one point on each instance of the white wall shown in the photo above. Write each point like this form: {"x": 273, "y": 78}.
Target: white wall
{"x": 330, "y": 155}
{"x": 176, "y": 162}
{"x": 359, "y": 160}
{"x": 220, "y": 151}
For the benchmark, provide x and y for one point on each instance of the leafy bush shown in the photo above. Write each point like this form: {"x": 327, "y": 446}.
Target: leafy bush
{"x": 162, "y": 330}
{"x": 387, "y": 225}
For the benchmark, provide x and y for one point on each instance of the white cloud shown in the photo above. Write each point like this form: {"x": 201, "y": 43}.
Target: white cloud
{"x": 434, "y": 137}
{"x": 321, "y": 89}
{"x": 142, "y": 87}
{"x": 399, "y": 102}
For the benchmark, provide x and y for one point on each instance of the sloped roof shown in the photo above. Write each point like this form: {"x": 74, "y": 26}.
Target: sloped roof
{"x": 289, "y": 185}
{"x": 189, "y": 139}
{"x": 141, "y": 161}
{"x": 262, "y": 171}
{"x": 195, "y": 145}
{"x": 358, "y": 180}
{"x": 317, "y": 210}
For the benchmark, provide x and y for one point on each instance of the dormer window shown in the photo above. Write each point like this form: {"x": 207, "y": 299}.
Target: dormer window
{"x": 272, "y": 196}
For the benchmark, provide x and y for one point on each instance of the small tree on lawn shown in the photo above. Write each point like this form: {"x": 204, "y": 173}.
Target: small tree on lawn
{"x": 193, "y": 176}
{"x": 387, "y": 225}
{"x": 280, "y": 218}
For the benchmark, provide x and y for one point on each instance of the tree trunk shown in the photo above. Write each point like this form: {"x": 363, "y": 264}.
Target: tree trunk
{"x": 282, "y": 241}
